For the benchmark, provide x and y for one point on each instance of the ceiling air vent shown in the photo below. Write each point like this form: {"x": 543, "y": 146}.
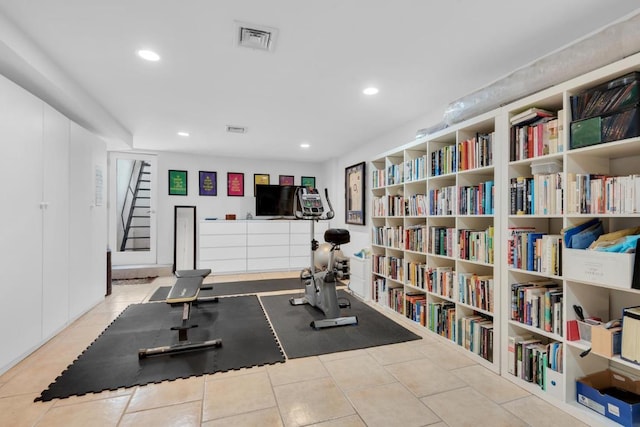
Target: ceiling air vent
{"x": 256, "y": 36}
{"x": 236, "y": 129}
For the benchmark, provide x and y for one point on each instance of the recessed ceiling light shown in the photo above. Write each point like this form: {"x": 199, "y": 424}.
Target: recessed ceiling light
{"x": 370, "y": 91}
{"x": 183, "y": 133}
{"x": 149, "y": 55}
{"x": 305, "y": 145}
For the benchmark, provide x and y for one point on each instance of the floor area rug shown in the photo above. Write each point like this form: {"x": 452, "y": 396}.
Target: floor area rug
{"x": 111, "y": 361}
{"x": 237, "y": 288}
{"x": 299, "y": 339}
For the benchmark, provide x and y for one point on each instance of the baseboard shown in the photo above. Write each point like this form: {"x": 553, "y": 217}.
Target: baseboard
{"x": 119, "y": 272}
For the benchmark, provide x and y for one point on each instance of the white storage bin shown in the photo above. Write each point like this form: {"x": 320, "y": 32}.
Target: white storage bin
{"x": 602, "y": 268}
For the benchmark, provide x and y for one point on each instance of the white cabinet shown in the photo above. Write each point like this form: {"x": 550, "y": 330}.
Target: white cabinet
{"x": 53, "y": 238}
{"x": 223, "y": 246}
{"x": 360, "y": 277}
{"x": 257, "y": 245}
{"x": 268, "y": 245}
{"x": 20, "y": 222}
{"x": 300, "y": 242}
{"x": 55, "y": 233}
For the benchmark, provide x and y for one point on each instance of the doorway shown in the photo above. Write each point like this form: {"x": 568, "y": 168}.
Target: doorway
{"x": 132, "y": 213}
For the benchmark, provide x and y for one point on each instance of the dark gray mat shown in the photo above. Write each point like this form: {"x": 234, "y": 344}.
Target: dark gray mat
{"x": 111, "y": 361}
{"x": 298, "y": 339}
{"x": 237, "y": 288}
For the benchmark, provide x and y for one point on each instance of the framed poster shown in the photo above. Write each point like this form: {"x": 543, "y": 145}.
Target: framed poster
{"x": 235, "y": 184}
{"x": 208, "y": 183}
{"x": 354, "y": 183}
{"x": 286, "y": 180}
{"x": 177, "y": 182}
{"x": 260, "y": 179}
{"x": 308, "y": 181}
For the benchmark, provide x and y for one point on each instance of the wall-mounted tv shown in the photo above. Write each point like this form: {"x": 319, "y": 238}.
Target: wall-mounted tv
{"x": 275, "y": 200}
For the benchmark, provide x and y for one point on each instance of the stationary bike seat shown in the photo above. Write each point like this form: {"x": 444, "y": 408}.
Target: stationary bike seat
{"x": 337, "y": 236}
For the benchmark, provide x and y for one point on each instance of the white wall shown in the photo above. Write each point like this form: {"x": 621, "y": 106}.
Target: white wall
{"x": 367, "y": 151}
{"x": 220, "y": 205}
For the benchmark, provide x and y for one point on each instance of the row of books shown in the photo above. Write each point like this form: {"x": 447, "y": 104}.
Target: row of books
{"x": 416, "y": 274}
{"x": 388, "y": 206}
{"x": 477, "y": 199}
{"x": 475, "y": 333}
{"x": 444, "y": 160}
{"x": 388, "y": 266}
{"x": 396, "y": 299}
{"x": 442, "y": 201}
{"x": 442, "y": 241}
{"x": 529, "y": 358}
{"x": 389, "y": 236}
{"x": 416, "y": 205}
{"x": 441, "y": 281}
{"x": 415, "y": 169}
{"x": 528, "y": 249}
{"x": 467, "y": 288}
{"x": 476, "y": 291}
{"x": 538, "y": 304}
{"x": 415, "y": 238}
{"x": 539, "y": 138}
{"x": 540, "y": 195}
{"x": 476, "y": 245}
{"x": 379, "y": 292}
{"x": 416, "y": 307}
{"x": 603, "y": 194}
{"x": 473, "y": 153}
{"x": 378, "y": 178}
{"x": 395, "y": 174}
{"x": 471, "y": 245}
{"x": 476, "y": 152}
{"x": 442, "y": 319}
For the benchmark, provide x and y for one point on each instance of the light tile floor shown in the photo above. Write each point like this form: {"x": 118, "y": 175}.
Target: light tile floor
{"x": 419, "y": 383}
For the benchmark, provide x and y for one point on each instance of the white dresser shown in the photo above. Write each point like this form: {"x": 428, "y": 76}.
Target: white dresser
{"x": 256, "y": 245}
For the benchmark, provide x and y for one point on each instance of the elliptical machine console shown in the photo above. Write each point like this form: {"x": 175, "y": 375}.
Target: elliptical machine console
{"x": 320, "y": 284}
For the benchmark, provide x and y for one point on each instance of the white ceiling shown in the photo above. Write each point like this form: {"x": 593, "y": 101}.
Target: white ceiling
{"x": 420, "y": 54}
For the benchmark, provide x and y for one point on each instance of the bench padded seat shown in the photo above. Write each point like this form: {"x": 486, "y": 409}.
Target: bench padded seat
{"x": 185, "y": 290}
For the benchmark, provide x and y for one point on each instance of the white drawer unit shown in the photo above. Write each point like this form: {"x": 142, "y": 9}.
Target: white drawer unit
{"x": 256, "y": 245}
{"x": 223, "y": 246}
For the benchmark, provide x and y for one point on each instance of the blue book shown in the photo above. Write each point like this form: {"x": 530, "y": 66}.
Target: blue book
{"x": 531, "y": 245}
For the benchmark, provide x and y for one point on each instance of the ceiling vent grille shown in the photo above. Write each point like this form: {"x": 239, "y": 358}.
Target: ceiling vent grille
{"x": 256, "y": 36}
{"x": 236, "y": 129}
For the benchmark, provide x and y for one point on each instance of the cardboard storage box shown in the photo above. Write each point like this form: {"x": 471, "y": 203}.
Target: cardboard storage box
{"x": 602, "y": 268}
{"x": 611, "y": 394}
{"x": 606, "y": 342}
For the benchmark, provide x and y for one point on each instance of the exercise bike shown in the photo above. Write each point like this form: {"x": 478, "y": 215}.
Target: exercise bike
{"x": 320, "y": 284}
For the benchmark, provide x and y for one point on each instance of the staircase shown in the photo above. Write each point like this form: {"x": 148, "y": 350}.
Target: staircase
{"x": 137, "y": 223}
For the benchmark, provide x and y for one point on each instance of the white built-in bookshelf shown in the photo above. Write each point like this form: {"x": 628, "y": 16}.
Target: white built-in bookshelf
{"x": 472, "y": 275}
{"x": 433, "y": 236}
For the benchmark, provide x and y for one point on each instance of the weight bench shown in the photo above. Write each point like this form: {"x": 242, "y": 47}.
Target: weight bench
{"x": 185, "y": 291}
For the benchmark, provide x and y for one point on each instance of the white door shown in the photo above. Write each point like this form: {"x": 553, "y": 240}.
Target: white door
{"x": 132, "y": 208}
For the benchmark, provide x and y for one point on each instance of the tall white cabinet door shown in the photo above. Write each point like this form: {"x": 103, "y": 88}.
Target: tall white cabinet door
{"x": 55, "y": 237}
{"x": 20, "y": 221}
{"x": 87, "y": 222}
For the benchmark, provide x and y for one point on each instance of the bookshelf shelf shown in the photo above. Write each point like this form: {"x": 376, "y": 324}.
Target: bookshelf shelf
{"x": 545, "y": 206}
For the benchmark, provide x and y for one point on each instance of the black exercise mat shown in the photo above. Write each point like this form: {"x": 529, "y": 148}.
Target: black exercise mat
{"x": 299, "y": 339}
{"x": 237, "y": 288}
{"x": 111, "y": 361}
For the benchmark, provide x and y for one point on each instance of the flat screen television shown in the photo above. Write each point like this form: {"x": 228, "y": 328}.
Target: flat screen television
{"x": 275, "y": 200}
